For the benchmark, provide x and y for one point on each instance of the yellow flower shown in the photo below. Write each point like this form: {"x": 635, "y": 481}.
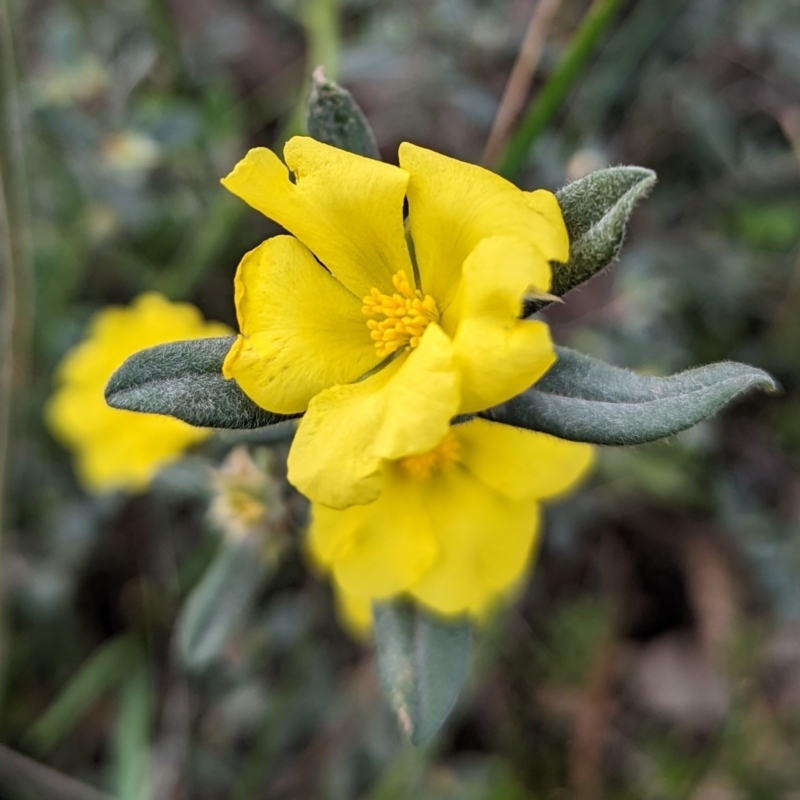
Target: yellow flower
{"x": 453, "y": 528}
{"x": 380, "y": 335}
{"x": 121, "y": 449}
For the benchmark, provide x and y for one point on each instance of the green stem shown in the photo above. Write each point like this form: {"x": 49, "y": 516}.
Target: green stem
{"x": 7, "y": 325}
{"x": 131, "y": 754}
{"x": 200, "y": 247}
{"x": 16, "y": 276}
{"x": 321, "y": 22}
{"x": 558, "y": 86}
{"x": 162, "y": 24}
{"x": 322, "y": 28}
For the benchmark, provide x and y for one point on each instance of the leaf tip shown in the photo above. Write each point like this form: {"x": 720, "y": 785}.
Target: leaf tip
{"x": 766, "y": 383}
{"x": 333, "y": 117}
{"x": 114, "y": 386}
{"x": 647, "y": 181}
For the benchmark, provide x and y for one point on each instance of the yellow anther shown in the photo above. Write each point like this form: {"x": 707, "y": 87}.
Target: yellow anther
{"x": 399, "y": 319}
{"x": 425, "y": 464}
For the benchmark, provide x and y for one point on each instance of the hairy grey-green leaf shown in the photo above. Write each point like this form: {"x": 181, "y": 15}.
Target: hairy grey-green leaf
{"x": 218, "y": 603}
{"x": 596, "y": 210}
{"x": 184, "y": 380}
{"x": 422, "y": 662}
{"x": 333, "y": 117}
{"x": 585, "y": 400}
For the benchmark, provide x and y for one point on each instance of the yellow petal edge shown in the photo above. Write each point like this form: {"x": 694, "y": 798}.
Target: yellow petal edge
{"x": 116, "y": 449}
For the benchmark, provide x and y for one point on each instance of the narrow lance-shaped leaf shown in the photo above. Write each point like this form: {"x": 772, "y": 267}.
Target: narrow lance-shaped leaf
{"x": 333, "y": 117}
{"x": 216, "y": 607}
{"x": 105, "y": 669}
{"x": 585, "y": 400}
{"x": 422, "y": 662}
{"x": 184, "y": 380}
{"x": 131, "y": 753}
{"x": 596, "y": 210}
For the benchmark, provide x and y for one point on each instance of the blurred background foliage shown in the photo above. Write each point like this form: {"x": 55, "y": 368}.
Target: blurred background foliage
{"x": 656, "y": 651}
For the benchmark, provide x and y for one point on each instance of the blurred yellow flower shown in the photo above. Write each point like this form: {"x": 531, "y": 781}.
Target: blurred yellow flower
{"x": 121, "y": 449}
{"x": 382, "y": 332}
{"x": 453, "y": 528}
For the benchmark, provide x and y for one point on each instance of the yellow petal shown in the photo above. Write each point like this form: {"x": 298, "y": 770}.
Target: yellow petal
{"x": 331, "y": 532}
{"x": 348, "y": 210}
{"x": 555, "y": 246}
{"x": 498, "y": 363}
{"x": 453, "y": 205}
{"x": 497, "y": 276}
{"x": 498, "y": 354}
{"x": 349, "y": 431}
{"x": 117, "y": 449}
{"x": 521, "y": 464}
{"x": 329, "y": 535}
{"x": 302, "y": 331}
{"x": 128, "y": 459}
{"x": 484, "y": 542}
{"x": 377, "y": 550}
{"x": 355, "y": 613}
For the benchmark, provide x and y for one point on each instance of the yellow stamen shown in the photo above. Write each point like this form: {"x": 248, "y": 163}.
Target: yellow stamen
{"x": 398, "y": 320}
{"x": 424, "y": 464}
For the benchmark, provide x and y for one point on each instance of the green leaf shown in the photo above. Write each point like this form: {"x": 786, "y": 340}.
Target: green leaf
{"x": 596, "y": 211}
{"x": 219, "y": 602}
{"x": 422, "y": 662}
{"x": 184, "y": 380}
{"x": 333, "y": 117}
{"x": 586, "y": 400}
{"x": 552, "y": 96}
{"x": 131, "y": 757}
{"x": 107, "y": 667}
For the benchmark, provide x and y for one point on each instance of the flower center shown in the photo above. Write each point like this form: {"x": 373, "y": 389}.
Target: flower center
{"x": 424, "y": 464}
{"x": 398, "y": 320}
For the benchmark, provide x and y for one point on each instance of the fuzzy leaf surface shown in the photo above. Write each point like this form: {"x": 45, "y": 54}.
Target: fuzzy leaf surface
{"x": 596, "y": 211}
{"x": 184, "y": 380}
{"x": 586, "y": 400}
{"x": 422, "y": 662}
{"x": 333, "y": 117}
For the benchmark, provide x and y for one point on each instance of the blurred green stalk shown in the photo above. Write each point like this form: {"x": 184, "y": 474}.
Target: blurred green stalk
{"x": 110, "y": 666}
{"x": 557, "y": 87}
{"x": 201, "y": 246}
{"x": 16, "y": 277}
{"x": 320, "y": 19}
{"x": 132, "y": 779}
